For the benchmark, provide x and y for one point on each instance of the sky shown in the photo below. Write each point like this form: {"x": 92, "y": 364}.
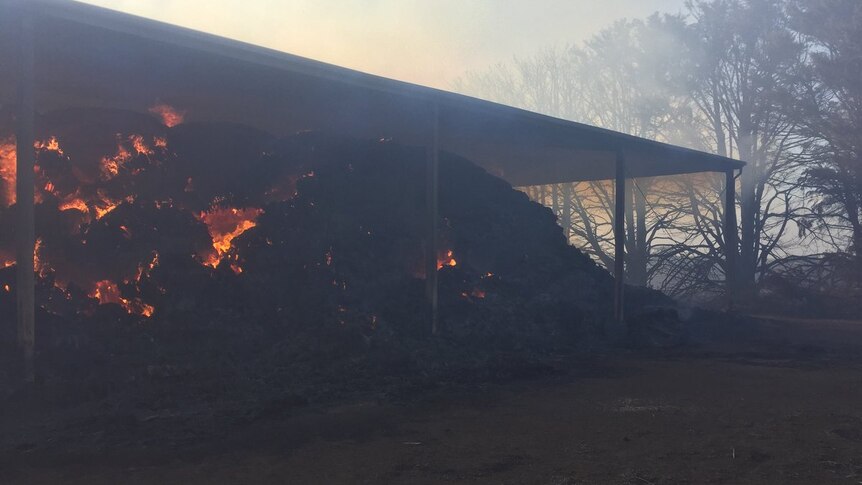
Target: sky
{"x": 429, "y": 42}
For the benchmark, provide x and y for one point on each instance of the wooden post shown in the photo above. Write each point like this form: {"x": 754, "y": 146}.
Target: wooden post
{"x": 25, "y": 210}
{"x": 432, "y": 205}
{"x": 619, "y": 236}
{"x": 731, "y": 237}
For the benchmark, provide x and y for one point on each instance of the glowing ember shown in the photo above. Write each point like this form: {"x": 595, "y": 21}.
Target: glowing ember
{"x": 38, "y": 262}
{"x": 52, "y": 145}
{"x": 139, "y": 145}
{"x": 74, "y": 203}
{"x": 145, "y": 269}
{"x": 106, "y": 291}
{"x": 8, "y": 164}
{"x": 7, "y": 288}
{"x": 169, "y": 115}
{"x": 111, "y": 165}
{"x": 224, "y": 224}
{"x": 105, "y": 205}
{"x": 447, "y": 260}
{"x": 8, "y": 169}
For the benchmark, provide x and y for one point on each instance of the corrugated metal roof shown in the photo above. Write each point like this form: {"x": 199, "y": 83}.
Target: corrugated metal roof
{"x": 90, "y": 56}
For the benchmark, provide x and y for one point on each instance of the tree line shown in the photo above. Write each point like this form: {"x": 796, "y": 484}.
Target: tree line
{"x": 776, "y": 83}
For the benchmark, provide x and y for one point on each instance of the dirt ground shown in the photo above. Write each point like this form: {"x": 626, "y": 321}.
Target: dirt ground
{"x": 777, "y": 405}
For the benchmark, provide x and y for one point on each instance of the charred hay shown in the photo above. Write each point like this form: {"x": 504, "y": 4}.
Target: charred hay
{"x": 213, "y": 260}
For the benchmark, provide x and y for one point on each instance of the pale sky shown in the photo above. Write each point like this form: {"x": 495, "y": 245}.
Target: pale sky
{"x": 428, "y": 42}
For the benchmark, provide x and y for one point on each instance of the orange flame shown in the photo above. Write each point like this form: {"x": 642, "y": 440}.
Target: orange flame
{"x": 225, "y": 224}
{"x": 139, "y": 145}
{"x": 8, "y": 164}
{"x": 52, "y": 145}
{"x": 447, "y": 260}
{"x": 111, "y": 165}
{"x": 145, "y": 269}
{"x": 8, "y": 168}
{"x": 74, "y": 203}
{"x": 106, "y": 205}
{"x": 106, "y": 291}
{"x": 168, "y": 114}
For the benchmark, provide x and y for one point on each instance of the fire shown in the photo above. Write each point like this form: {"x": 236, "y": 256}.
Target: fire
{"x": 169, "y": 115}
{"x": 74, "y": 203}
{"x": 38, "y": 262}
{"x": 8, "y": 163}
{"x": 106, "y": 205}
{"x": 225, "y": 224}
{"x": 139, "y": 145}
{"x": 52, "y": 145}
{"x": 145, "y": 269}
{"x": 106, "y": 291}
{"x": 447, "y": 260}
{"x": 7, "y": 288}
{"x": 111, "y": 165}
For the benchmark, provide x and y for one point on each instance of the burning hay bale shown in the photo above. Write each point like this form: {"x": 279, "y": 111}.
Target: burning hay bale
{"x": 216, "y": 246}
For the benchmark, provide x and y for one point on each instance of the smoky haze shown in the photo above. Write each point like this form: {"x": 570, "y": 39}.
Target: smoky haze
{"x": 423, "y": 42}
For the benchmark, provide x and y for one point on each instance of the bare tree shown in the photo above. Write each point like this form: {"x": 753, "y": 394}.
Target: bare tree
{"x": 721, "y": 79}
{"x": 744, "y": 63}
{"x": 618, "y": 80}
{"x": 831, "y": 114}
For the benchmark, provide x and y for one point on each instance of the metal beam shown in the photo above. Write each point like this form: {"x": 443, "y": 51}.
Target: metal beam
{"x": 619, "y": 236}
{"x": 432, "y": 206}
{"x": 731, "y": 237}
{"x": 25, "y": 210}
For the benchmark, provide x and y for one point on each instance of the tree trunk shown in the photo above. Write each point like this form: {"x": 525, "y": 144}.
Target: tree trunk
{"x": 640, "y": 278}
{"x": 636, "y": 270}
{"x": 749, "y": 239}
{"x": 567, "y": 211}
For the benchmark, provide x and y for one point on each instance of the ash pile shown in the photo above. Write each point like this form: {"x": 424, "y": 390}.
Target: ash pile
{"x": 180, "y": 260}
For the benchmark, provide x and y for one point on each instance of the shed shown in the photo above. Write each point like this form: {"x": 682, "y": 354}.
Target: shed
{"x": 60, "y": 54}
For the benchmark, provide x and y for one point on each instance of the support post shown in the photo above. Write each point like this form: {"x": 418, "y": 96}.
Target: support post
{"x": 731, "y": 237}
{"x": 432, "y": 206}
{"x": 25, "y": 210}
{"x": 619, "y": 236}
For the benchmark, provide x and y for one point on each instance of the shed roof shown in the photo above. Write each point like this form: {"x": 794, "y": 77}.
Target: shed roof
{"x": 91, "y": 56}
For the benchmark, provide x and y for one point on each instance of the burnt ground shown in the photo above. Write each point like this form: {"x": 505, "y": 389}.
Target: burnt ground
{"x": 759, "y": 401}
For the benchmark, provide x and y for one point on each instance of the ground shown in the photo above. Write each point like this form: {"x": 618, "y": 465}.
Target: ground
{"x": 774, "y": 403}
